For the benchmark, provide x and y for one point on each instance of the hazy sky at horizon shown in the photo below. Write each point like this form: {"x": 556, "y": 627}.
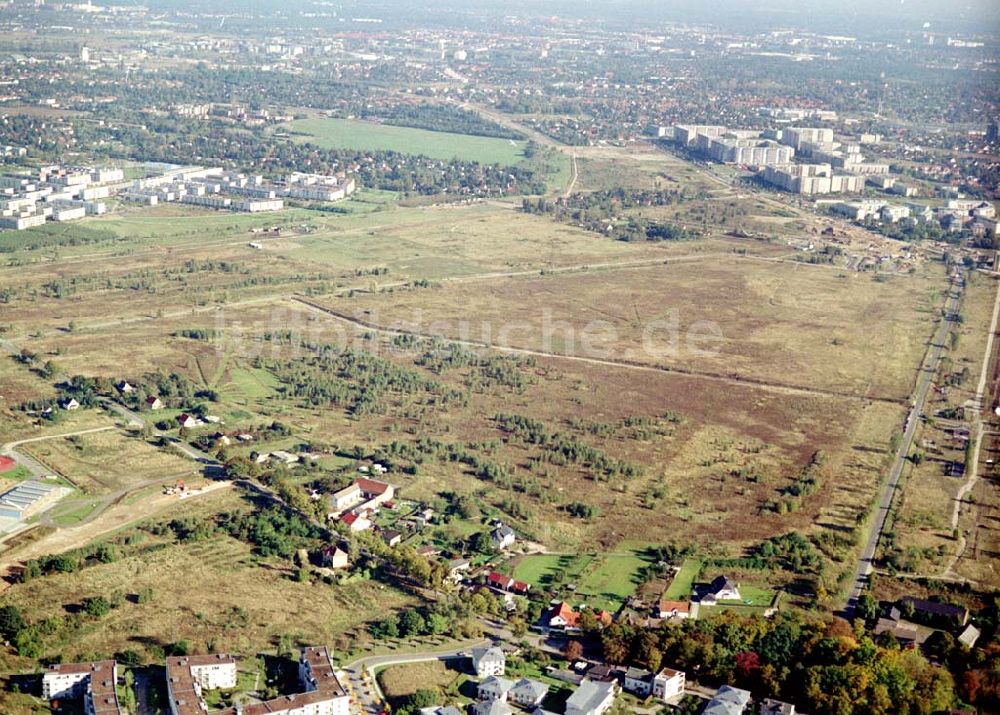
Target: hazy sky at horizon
{"x": 986, "y": 10}
{"x": 826, "y": 15}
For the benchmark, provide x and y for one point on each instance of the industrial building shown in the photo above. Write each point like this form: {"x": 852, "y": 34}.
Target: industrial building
{"x": 28, "y": 498}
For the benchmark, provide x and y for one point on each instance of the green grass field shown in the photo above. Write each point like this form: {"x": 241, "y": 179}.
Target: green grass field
{"x": 682, "y": 584}
{"x": 74, "y": 512}
{"x": 758, "y": 596}
{"x": 612, "y": 578}
{"x": 250, "y": 384}
{"x": 543, "y": 570}
{"x": 350, "y": 134}
{"x": 602, "y": 581}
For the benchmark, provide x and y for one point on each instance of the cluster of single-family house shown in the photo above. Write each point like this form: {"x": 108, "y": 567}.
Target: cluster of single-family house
{"x": 498, "y": 695}
{"x": 506, "y": 584}
{"x": 592, "y": 697}
{"x": 664, "y": 685}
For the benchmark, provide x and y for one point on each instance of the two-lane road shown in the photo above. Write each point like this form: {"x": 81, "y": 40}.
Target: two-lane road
{"x": 365, "y": 693}
{"x": 924, "y": 379}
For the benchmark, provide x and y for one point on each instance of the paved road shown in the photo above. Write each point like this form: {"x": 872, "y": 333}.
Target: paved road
{"x": 926, "y": 375}
{"x": 36, "y": 468}
{"x": 141, "y": 689}
{"x": 367, "y": 697}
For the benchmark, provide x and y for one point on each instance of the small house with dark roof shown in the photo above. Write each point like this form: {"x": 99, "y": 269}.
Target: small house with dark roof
{"x": 721, "y": 589}
{"x": 502, "y": 537}
{"x": 935, "y": 612}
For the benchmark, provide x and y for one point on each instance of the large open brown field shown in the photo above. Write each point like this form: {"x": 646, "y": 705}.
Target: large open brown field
{"x": 608, "y": 359}
{"x": 108, "y": 461}
{"x": 803, "y": 352}
{"x": 808, "y": 326}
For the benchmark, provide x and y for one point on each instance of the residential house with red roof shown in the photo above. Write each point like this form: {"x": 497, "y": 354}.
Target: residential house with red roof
{"x": 506, "y": 583}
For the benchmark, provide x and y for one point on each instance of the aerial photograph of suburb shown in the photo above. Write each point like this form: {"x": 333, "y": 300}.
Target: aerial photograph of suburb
{"x": 537, "y": 357}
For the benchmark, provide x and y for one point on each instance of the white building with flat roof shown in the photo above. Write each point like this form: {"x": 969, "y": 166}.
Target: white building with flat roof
{"x": 93, "y": 682}
{"x": 796, "y": 136}
{"x": 669, "y": 683}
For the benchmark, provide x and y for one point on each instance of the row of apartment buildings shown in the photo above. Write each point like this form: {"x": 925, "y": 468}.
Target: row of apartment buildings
{"x": 188, "y": 677}
{"x": 975, "y": 216}
{"x": 732, "y": 146}
{"x": 837, "y": 167}
{"x": 94, "y": 683}
{"x": 55, "y": 193}
{"x": 67, "y": 193}
{"x": 834, "y": 167}
{"x": 811, "y": 179}
{"x": 322, "y": 691}
{"x": 218, "y": 189}
{"x": 595, "y": 694}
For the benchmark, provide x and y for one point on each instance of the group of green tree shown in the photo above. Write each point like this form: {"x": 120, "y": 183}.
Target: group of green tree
{"x": 486, "y": 369}
{"x": 435, "y": 117}
{"x": 178, "y": 140}
{"x": 357, "y": 380}
{"x": 823, "y": 666}
{"x": 604, "y": 212}
{"x": 804, "y": 484}
{"x": 560, "y": 448}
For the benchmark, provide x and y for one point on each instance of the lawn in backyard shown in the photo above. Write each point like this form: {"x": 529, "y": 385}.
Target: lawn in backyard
{"x": 683, "y": 582}
{"x": 602, "y": 581}
{"x": 550, "y": 570}
{"x": 611, "y": 578}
